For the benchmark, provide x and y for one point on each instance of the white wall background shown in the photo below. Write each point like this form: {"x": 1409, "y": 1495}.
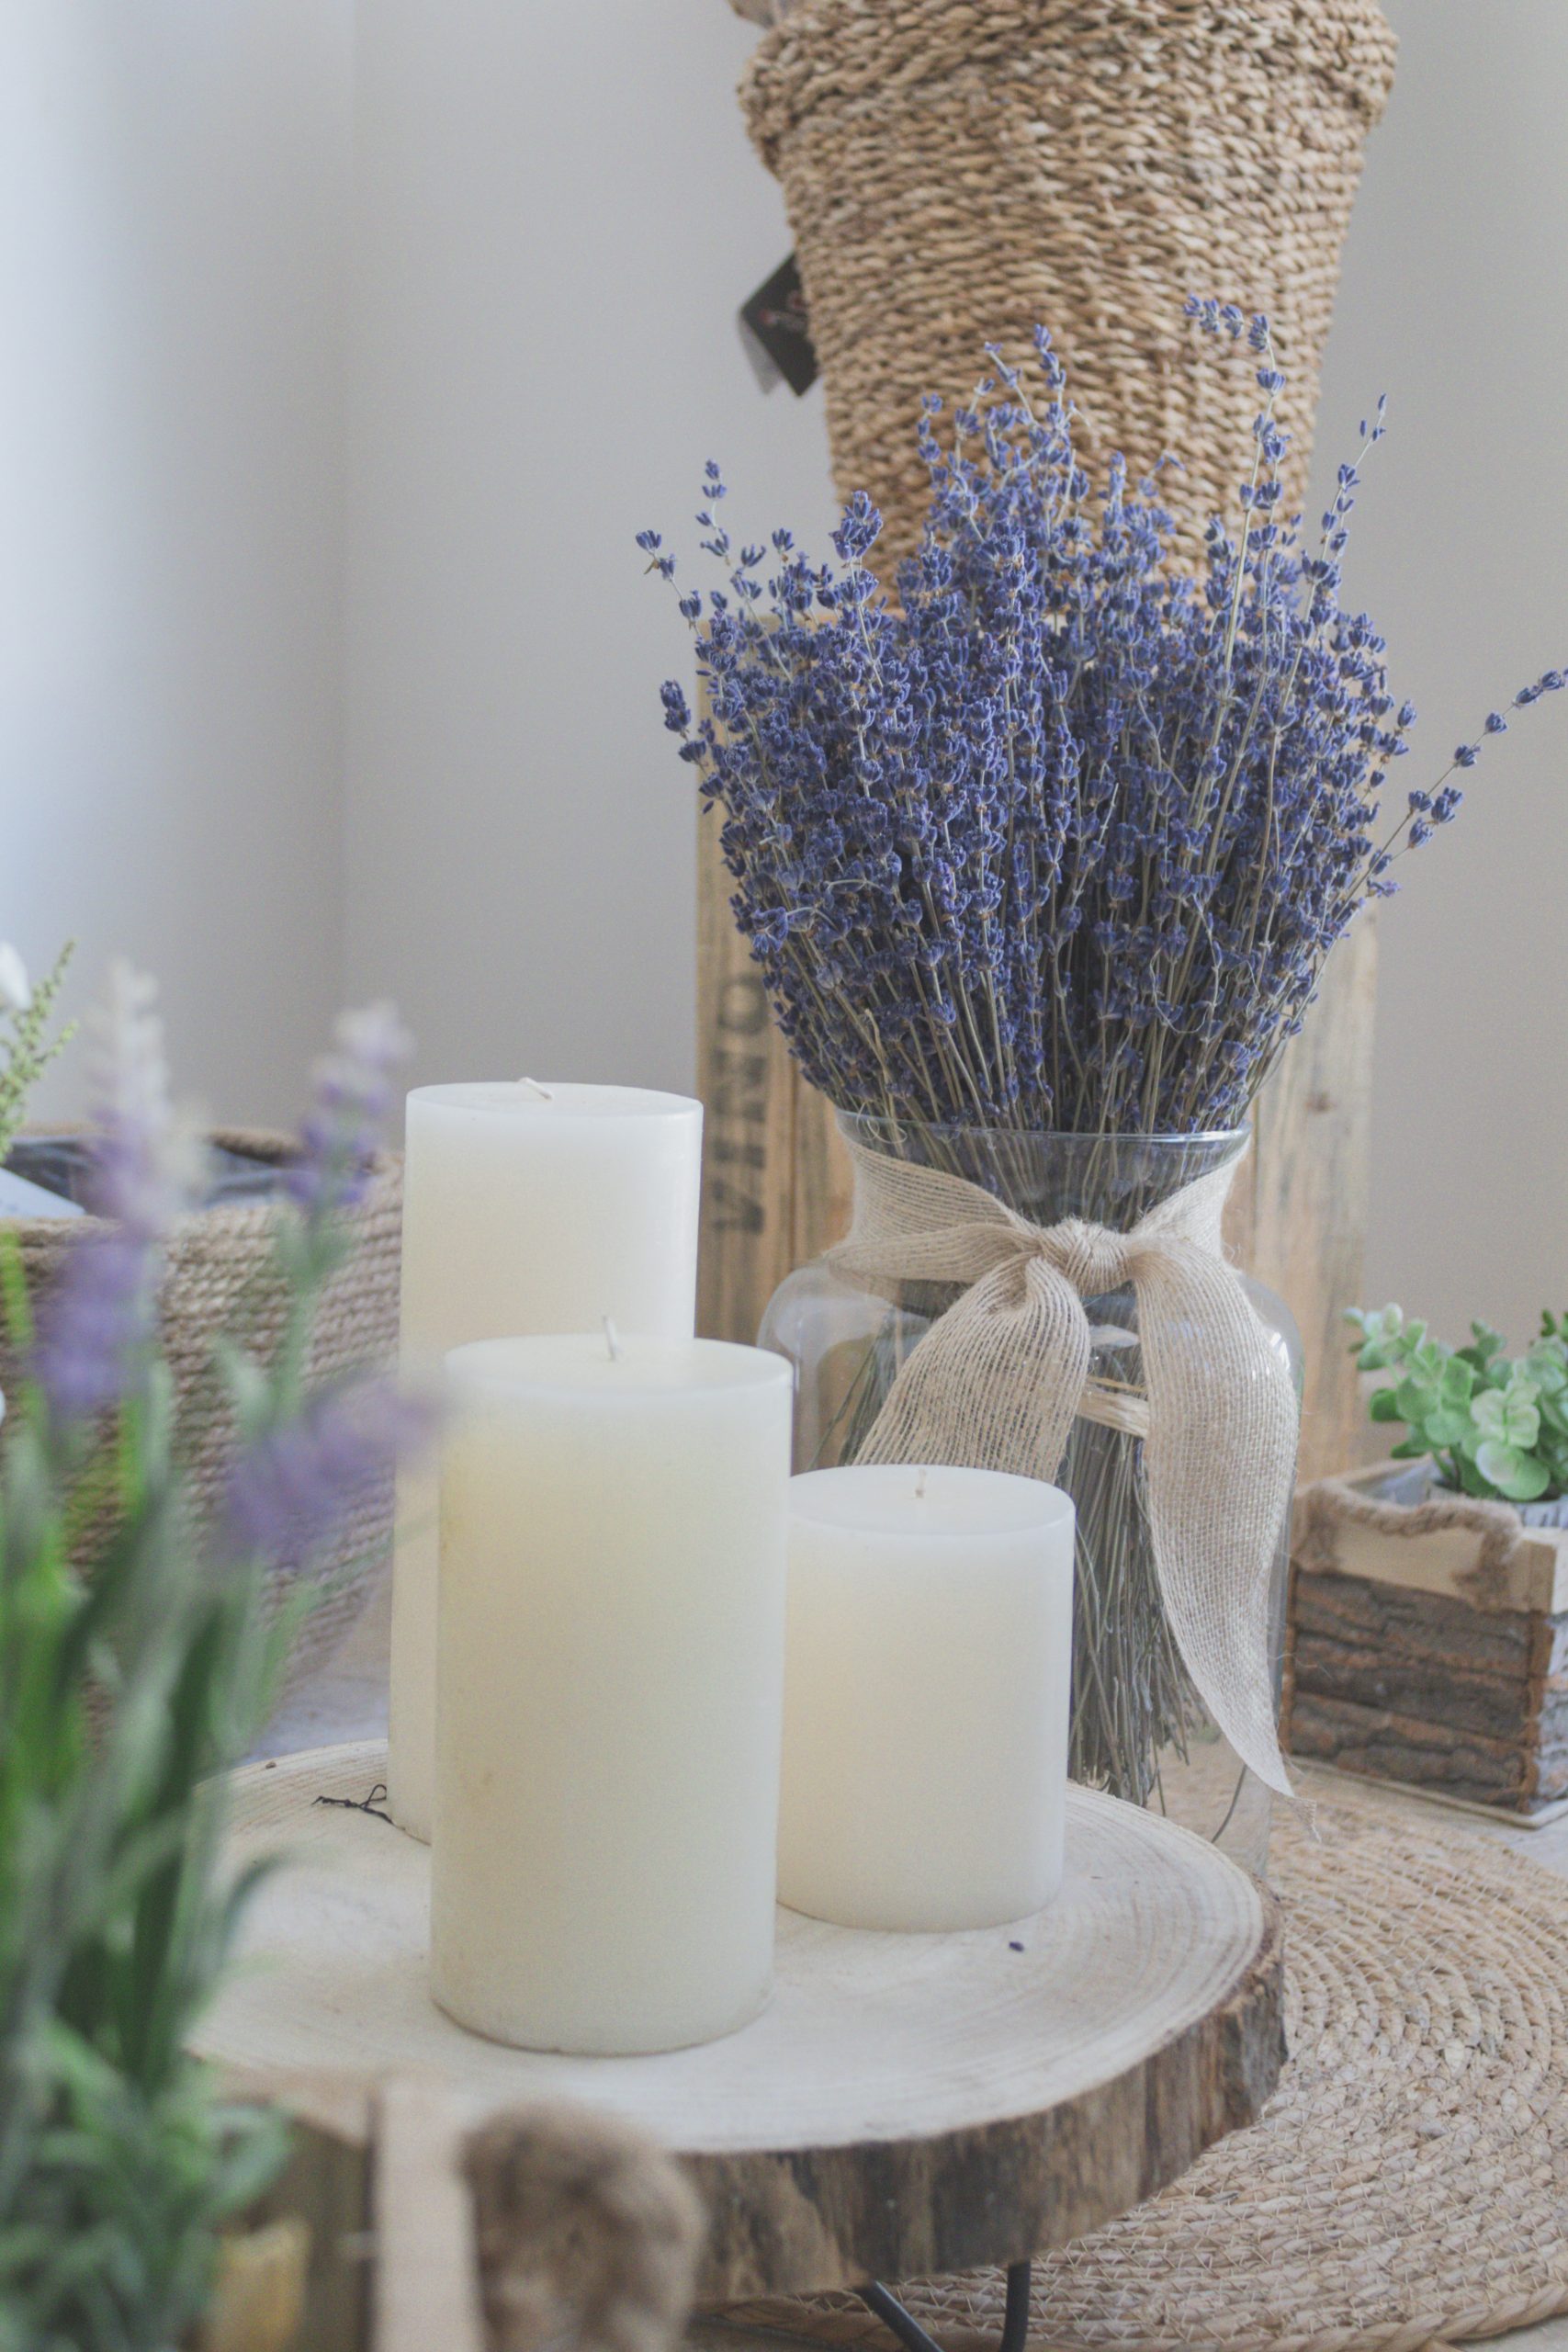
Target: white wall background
{"x": 467, "y": 799}
{"x": 173, "y": 216}
{"x": 557, "y": 214}
{"x": 1452, "y": 302}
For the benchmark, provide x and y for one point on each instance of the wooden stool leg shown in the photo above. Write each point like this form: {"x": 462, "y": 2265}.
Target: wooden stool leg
{"x": 1015, "y": 2318}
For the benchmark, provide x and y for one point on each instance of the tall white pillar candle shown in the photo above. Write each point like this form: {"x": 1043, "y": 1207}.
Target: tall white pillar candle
{"x": 929, "y": 1662}
{"x": 527, "y": 1207}
{"x": 610, "y": 1686}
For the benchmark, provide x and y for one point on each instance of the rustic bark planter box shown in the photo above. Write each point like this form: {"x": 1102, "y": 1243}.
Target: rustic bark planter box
{"x": 1428, "y": 1645}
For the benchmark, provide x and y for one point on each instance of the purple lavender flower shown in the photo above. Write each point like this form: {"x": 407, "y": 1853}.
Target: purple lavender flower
{"x": 342, "y": 1131}
{"x": 1058, "y": 836}
{"x": 97, "y": 1323}
{"x": 291, "y": 1489}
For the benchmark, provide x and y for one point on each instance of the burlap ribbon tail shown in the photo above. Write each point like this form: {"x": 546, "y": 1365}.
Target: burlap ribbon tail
{"x": 997, "y": 1381}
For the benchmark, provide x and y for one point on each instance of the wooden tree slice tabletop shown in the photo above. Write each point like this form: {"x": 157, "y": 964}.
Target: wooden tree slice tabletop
{"x": 906, "y": 2104}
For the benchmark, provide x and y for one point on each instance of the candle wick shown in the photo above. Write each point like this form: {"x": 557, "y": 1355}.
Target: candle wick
{"x": 612, "y": 1337}
{"x": 542, "y": 1091}
{"x": 921, "y": 1484}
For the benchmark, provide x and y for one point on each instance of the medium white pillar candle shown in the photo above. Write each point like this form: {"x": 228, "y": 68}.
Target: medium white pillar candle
{"x": 527, "y": 1207}
{"x": 928, "y": 1661}
{"x": 610, "y": 1685}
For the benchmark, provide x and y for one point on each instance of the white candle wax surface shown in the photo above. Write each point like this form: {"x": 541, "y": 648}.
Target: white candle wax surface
{"x": 527, "y": 1207}
{"x": 610, "y": 1689}
{"x": 928, "y": 1658}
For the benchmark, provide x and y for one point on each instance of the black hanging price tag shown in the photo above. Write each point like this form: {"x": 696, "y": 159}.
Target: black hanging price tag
{"x": 777, "y": 333}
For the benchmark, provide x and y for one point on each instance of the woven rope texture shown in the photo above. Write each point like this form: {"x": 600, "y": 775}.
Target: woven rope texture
{"x": 956, "y": 173}
{"x": 221, "y": 1280}
{"x": 1410, "y": 2178}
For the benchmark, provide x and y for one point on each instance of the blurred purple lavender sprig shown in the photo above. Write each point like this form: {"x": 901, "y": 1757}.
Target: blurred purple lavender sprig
{"x": 98, "y": 1321}
{"x": 1060, "y": 837}
{"x": 308, "y": 1458}
{"x": 139, "y": 1647}
{"x": 98, "y": 1326}
{"x": 292, "y": 1489}
{"x": 352, "y": 1096}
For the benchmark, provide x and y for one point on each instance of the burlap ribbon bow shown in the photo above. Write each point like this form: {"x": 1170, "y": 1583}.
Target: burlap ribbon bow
{"x": 999, "y": 1379}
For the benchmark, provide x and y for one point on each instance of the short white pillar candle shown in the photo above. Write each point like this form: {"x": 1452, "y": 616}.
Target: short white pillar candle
{"x": 527, "y": 1207}
{"x": 610, "y": 1685}
{"x": 928, "y": 1670}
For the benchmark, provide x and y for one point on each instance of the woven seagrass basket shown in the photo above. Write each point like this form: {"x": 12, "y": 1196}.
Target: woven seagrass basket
{"x": 221, "y": 1280}
{"x": 956, "y": 173}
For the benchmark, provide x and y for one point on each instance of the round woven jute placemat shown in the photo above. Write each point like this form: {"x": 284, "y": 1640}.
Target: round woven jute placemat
{"x": 1409, "y": 2181}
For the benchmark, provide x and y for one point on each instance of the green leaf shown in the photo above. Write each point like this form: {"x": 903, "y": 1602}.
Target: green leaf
{"x": 32, "y": 1049}
{"x": 1508, "y": 1416}
{"x": 1516, "y": 1475}
{"x": 1380, "y": 1327}
{"x": 249, "y": 1388}
{"x": 1446, "y": 1425}
{"x": 1383, "y": 1406}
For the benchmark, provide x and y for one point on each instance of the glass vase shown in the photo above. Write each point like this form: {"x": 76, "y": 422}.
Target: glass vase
{"x": 1139, "y": 1728}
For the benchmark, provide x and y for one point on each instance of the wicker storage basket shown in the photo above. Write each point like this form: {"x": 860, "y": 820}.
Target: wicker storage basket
{"x": 219, "y": 1279}
{"x": 954, "y": 175}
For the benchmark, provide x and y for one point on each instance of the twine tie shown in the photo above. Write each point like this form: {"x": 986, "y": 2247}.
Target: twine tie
{"x": 999, "y": 1380}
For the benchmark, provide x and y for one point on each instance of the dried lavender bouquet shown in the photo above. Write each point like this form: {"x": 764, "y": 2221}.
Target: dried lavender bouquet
{"x": 1053, "y": 842}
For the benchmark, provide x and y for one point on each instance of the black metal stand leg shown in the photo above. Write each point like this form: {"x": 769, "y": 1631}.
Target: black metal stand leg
{"x": 1015, "y": 2314}
{"x": 1015, "y": 2318}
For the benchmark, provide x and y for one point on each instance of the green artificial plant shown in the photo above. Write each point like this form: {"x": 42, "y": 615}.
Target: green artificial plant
{"x": 1494, "y": 1426}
